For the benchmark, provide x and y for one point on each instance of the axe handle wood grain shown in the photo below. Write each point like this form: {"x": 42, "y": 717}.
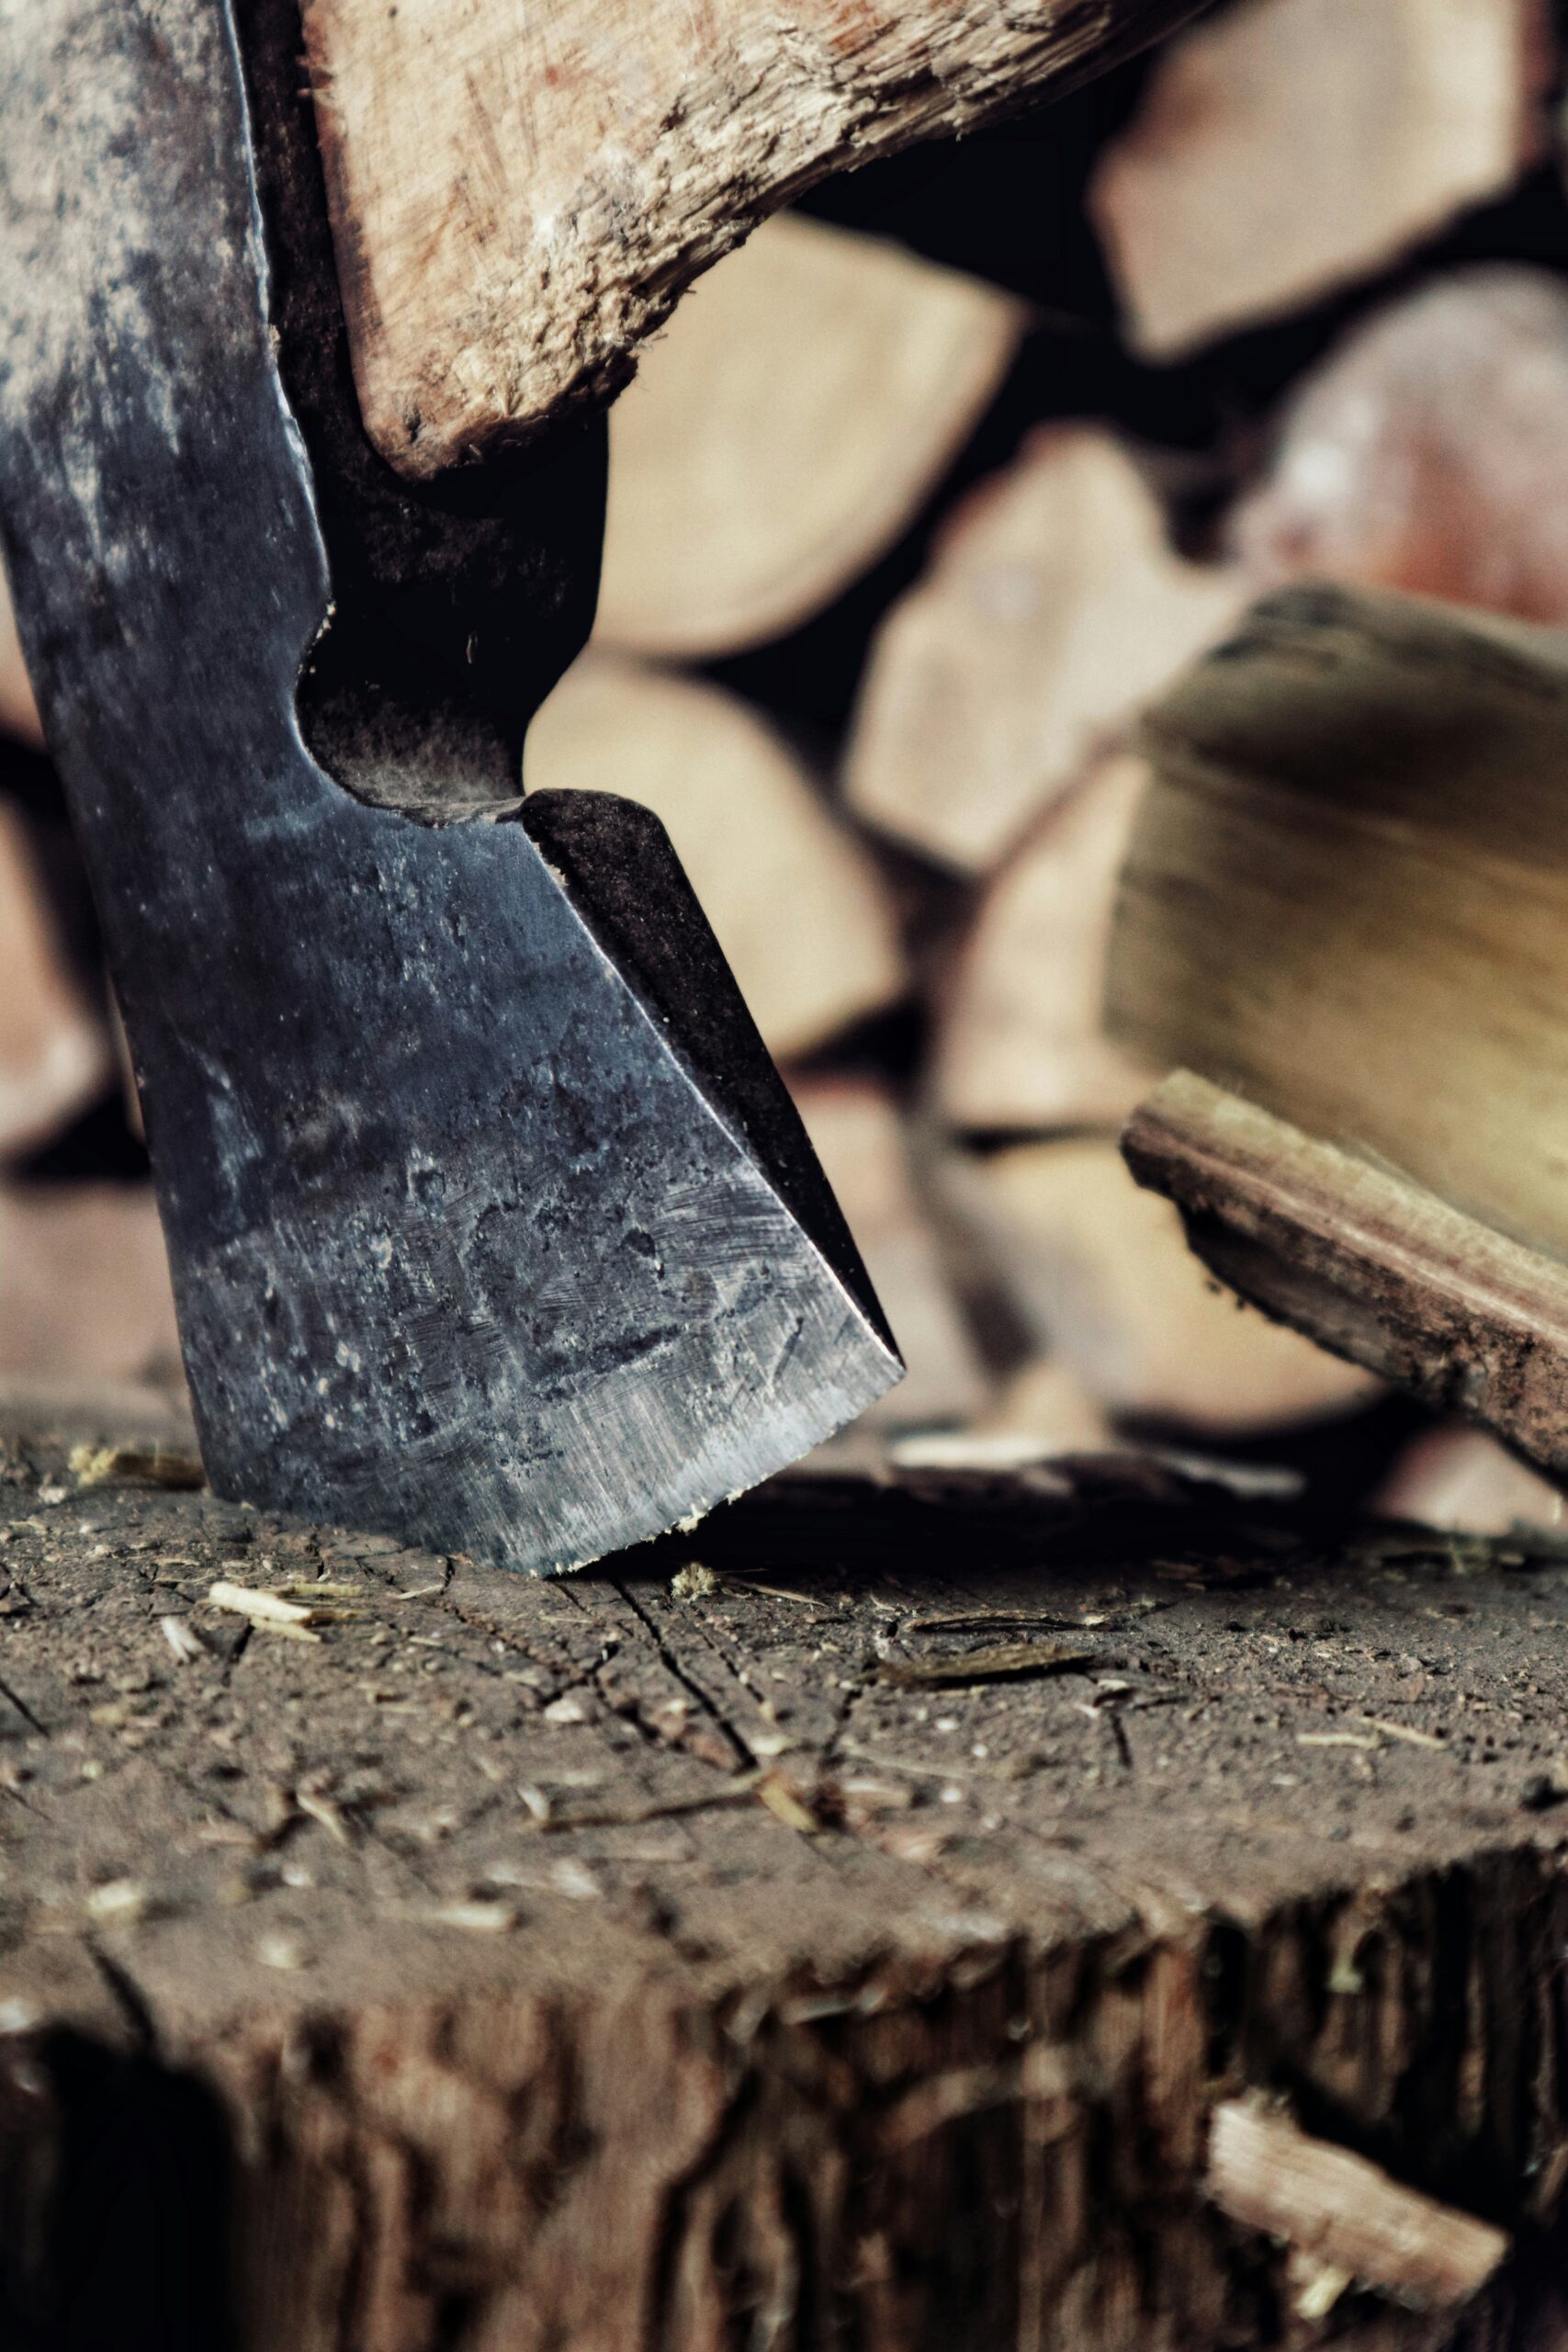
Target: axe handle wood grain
{"x": 519, "y": 195}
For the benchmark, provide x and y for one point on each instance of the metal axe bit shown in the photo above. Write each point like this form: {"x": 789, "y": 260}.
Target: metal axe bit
{"x": 492, "y": 1224}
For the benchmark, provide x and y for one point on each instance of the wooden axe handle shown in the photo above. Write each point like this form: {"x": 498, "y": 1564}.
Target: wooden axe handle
{"x": 520, "y": 191}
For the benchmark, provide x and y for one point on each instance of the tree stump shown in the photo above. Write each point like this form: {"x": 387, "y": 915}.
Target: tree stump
{"x": 839, "y": 1927}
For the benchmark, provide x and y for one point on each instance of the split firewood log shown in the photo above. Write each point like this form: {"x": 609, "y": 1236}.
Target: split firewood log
{"x": 869, "y": 1159}
{"x": 55, "y": 1054}
{"x": 1347, "y": 894}
{"x": 1104, "y": 1280}
{"x": 799, "y": 908}
{"x": 1423, "y": 453}
{"x": 1022, "y": 1043}
{"x": 1046, "y": 1402}
{"x": 1345, "y": 911}
{"x": 1287, "y": 146}
{"x": 18, "y": 711}
{"x": 1052, "y": 607}
{"x": 85, "y": 1291}
{"x": 519, "y": 195}
{"x": 1462, "y": 1480}
{"x": 780, "y": 435}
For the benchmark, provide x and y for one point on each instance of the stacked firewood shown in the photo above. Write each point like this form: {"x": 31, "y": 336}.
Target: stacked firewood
{"x": 84, "y": 1299}
{"x": 913, "y": 511}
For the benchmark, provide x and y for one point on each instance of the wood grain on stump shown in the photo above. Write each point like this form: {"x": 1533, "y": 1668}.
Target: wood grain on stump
{"x": 846, "y": 1945}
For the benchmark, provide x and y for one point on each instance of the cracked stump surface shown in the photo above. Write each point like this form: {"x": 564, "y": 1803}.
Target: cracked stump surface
{"x": 832, "y": 1929}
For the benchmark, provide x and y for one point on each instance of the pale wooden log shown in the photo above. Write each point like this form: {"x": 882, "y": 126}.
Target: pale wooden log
{"x": 1347, "y": 896}
{"x": 1053, "y": 606}
{"x": 519, "y": 195}
{"x": 1340, "y": 2211}
{"x": 1462, "y": 1479}
{"x": 1046, "y": 1402}
{"x": 868, "y": 1158}
{"x": 1417, "y": 456}
{"x": 1022, "y": 1043}
{"x": 798, "y": 905}
{"x": 85, "y": 1291}
{"x": 1291, "y": 145}
{"x": 54, "y": 1048}
{"x": 783, "y": 431}
{"x": 1366, "y": 1262}
{"x": 1103, "y": 1278}
{"x": 18, "y": 711}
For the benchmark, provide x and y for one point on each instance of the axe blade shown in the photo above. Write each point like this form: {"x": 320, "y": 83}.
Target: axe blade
{"x": 491, "y": 1223}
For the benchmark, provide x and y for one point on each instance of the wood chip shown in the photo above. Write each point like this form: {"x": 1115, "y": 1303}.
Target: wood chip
{"x": 120, "y": 1903}
{"x": 785, "y": 1806}
{"x": 478, "y": 1917}
{"x": 282, "y": 1951}
{"x": 263, "y": 1608}
{"x": 738, "y": 1792}
{"x": 183, "y": 1639}
{"x": 1339, "y": 2209}
{"x": 330, "y": 1817}
{"x": 1406, "y": 1732}
{"x": 171, "y": 1466}
{"x": 1011, "y": 1659}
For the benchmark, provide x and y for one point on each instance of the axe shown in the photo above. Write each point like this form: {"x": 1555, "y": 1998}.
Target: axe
{"x": 491, "y": 1223}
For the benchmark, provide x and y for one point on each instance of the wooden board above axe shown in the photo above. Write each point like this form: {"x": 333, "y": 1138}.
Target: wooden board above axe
{"x": 491, "y": 1223}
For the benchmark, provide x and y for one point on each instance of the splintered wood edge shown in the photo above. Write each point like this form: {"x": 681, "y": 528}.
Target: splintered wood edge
{"x": 624, "y": 152}
{"x": 1338, "y": 2210}
{"x": 1370, "y": 1266}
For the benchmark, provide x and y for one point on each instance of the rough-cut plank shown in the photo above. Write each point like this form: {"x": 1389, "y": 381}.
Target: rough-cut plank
{"x": 1367, "y": 1263}
{"x": 519, "y": 195}
{"x": 84, "y": 1285}
{"x": 784, "y": 430}
{"x": 1102, "y": 1278}
{"x": 1021, "y": 1042}
{"x": 1461, "y": 1479}
{"x": 1341, "y": 2212}
{"x": 18, "y": 711}
{"x": 54, "y": 1047}
{"x": 869, "y": 1157}
{"x": 1054, "y": 604}
{"x": 1414, "y": 456}
{"x": 1293, "y": 144}
{"x": 447, "y": 1978}
{"x": 1347, "y": 894}
{"x": 797, "y": 904}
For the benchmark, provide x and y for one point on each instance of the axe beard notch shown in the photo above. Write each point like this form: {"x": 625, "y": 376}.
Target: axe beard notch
{"x": 491, "y": 1225}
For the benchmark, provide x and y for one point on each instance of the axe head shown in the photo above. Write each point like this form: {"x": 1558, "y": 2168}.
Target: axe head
{"x": 492, "y": 1224}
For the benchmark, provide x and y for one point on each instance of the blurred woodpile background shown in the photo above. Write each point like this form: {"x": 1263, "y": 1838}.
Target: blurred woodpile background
{"x": 921, "y": 498}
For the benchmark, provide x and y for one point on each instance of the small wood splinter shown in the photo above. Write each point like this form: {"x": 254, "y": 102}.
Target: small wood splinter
{"x": 1344, "y": 2214}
